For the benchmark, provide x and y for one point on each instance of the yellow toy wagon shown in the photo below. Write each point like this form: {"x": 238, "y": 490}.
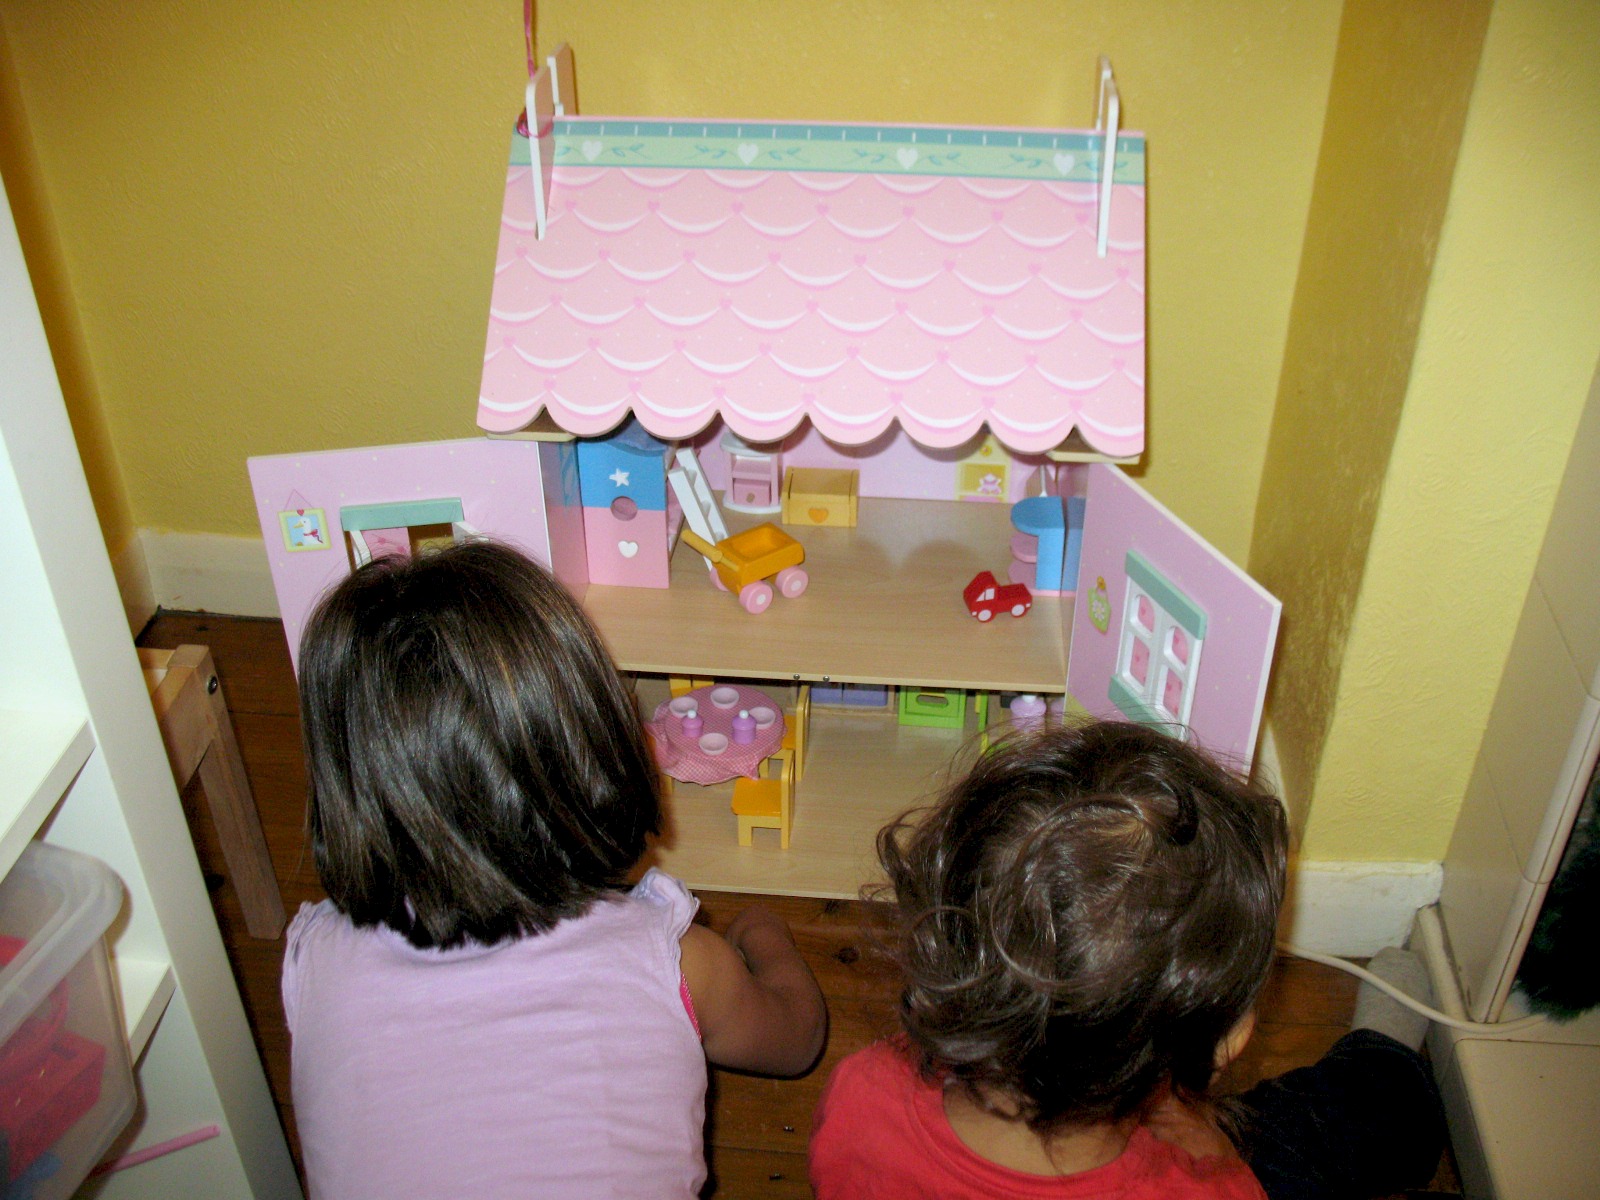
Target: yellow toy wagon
{"x": 745, "y": 561}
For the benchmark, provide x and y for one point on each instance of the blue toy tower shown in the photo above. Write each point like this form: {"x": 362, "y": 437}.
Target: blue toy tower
{"x": 629, "y": 512}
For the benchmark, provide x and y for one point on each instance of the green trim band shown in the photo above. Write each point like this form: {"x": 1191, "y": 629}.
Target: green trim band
{"x": 1182, "y": 609}
{"x": 1067, "y": 156}
{"x": 400, "y": 514}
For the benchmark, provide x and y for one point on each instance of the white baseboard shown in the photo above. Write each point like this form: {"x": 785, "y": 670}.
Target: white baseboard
{"x": 1356, "y": 909}
{"x": 206, "y": 572}
{"x": 1348, "y": 909}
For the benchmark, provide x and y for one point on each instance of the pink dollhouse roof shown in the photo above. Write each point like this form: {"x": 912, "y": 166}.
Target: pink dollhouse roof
{"x": 851, "y": 275}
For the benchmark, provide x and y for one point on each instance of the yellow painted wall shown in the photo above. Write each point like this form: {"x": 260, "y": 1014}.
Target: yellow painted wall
{"x": 36, "y": 229}
{"x": 1401, "y": 84}
{"x": 278, "y": 221}
{"x": 274, "y": 227}
{"x": 1507, "y": 347}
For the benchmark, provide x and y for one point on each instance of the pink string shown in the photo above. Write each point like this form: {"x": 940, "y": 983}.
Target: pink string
{"x": 527, "y": 31}
{"x": 182, "y": 1142}
{"x": 527, "y": 37}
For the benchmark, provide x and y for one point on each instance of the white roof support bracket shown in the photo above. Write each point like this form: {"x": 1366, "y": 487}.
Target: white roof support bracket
{"x": 1107, "y": 115}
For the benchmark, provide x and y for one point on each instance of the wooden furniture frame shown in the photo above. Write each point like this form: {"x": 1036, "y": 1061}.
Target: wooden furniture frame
{"x": 193, "y": 715}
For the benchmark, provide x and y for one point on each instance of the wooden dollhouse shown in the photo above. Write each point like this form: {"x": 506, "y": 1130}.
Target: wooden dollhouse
{"x": 894, "y": 301}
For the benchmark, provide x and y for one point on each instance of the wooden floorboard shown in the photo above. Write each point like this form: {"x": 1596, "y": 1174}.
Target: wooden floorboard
{"x": 756, "y": 1128}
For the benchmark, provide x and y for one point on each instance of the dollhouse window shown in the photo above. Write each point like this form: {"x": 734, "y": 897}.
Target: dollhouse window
{"x": 1158, "y": 653}
{"x": 404, "y": 527}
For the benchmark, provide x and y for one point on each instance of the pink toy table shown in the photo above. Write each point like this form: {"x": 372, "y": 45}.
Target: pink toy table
{"x": 698, "y": 759}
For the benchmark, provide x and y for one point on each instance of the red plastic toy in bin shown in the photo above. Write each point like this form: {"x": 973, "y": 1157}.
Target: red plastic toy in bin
{"x": 49, "y": 1076}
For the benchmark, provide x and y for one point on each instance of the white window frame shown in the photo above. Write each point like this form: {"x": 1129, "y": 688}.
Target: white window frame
{"x": 358, "y": 519}
{"x": 1145, "y": 701}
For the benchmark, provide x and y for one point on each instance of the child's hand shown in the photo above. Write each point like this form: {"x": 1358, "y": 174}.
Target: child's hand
{"x": 1189, "y": 1128}
{"x": 759, "y": 1005}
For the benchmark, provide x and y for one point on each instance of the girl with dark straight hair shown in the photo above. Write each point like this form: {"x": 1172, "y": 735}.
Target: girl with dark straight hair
{"x": 483, "y": 1006}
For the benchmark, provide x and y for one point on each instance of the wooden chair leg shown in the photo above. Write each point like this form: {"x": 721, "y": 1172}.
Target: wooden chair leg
{"x": 238, "y": 821}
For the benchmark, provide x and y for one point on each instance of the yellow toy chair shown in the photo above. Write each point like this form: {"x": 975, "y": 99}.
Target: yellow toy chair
{"x": 766, "y": 803}
{"x": 678, "y": 685}
{"x": 796, "y": 725}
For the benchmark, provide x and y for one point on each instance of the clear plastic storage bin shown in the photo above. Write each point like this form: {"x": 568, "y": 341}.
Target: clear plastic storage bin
{"x": 66, "y": 1086}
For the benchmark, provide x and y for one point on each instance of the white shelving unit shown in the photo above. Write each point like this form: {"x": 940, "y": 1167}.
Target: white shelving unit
{"x": 42, "y": 752}
{"x": 82, "y": 765}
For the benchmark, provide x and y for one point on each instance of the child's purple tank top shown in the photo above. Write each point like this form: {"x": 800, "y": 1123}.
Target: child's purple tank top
{"x": 561, "y": 1065}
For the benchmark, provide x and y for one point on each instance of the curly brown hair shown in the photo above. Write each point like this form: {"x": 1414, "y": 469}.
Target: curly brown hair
{"x": 1082, "y": 919}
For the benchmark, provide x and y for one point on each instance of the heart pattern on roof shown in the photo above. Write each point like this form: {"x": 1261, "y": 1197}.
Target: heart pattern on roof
{"x": 855, "y": 300}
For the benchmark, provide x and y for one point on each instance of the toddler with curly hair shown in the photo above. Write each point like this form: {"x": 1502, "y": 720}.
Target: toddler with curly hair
{"x": 1085, "y": 922}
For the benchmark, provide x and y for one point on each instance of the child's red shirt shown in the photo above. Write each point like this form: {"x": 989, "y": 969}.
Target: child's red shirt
{"x": 881, "y": 1132}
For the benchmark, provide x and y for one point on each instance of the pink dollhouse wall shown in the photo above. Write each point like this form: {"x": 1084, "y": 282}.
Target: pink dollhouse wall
{"x": 892, "y": 465}
{"x": 521, "y": 492}
{"x": 1230, "y": 685}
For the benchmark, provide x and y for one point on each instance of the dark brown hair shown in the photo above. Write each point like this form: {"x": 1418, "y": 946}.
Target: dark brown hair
{"x": 1083, "y": 919}
{"x": 477, "y": 767}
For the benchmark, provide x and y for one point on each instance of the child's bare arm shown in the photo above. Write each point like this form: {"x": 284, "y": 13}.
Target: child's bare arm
{"x": 758, "y": 1004}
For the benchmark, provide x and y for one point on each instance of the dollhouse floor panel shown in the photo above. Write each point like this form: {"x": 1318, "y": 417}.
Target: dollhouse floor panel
{"x": 884, "y": 606}
{"x": 862, "y": 770}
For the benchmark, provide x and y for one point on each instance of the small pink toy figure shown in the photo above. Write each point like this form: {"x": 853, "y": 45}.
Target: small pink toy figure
{"x": 693, "y": 723}
{"x": 744, "y": 728}
{"x": 1028, "y": 711}
{"x": 989, "y": 485}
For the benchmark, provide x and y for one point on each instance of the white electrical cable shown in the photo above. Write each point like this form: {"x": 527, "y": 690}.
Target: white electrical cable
{"x": 1433, "y": 1014}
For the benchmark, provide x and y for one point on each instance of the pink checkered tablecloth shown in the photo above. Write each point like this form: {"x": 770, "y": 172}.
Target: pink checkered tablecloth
{"x": 699, "y": 759}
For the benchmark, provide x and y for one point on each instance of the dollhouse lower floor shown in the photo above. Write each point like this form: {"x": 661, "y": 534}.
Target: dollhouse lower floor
{"x": 862, "y": 769}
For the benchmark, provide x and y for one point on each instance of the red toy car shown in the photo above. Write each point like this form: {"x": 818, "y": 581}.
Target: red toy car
{"x": 986, "y": 596}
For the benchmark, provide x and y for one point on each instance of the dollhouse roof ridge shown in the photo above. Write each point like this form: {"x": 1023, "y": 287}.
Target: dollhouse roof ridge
{"x": 855, "y": 276}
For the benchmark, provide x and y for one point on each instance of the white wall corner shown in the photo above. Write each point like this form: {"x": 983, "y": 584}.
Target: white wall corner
{"x": 209, "y": 572}
{"x": 1355, "y": 909}
{"x": 132, "y": 573}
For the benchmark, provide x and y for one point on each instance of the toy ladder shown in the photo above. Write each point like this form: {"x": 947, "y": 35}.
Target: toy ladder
{"x": 694, "y": 497}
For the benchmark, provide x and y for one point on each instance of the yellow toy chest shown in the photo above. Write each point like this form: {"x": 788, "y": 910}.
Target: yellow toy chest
{"x": 820, "y": 496}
